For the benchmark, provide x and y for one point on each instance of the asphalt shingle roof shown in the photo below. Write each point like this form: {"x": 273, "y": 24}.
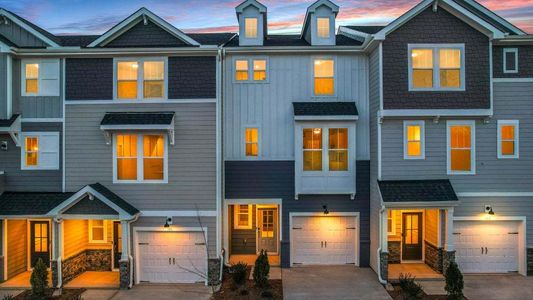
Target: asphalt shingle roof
{"x": 25, "y": 203}
{"x": 287, "y": 40}
{"x": 325, "y": 109}
{"x": 417, "y": 190}
{"x": 8, "y": 122}
{"x": 366, "y": 29}
{"x": 138, "y": 118}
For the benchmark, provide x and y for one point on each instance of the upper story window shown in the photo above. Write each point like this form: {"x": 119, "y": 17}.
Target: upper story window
{"x": 337, "y": 149}
{"x": 508, "y": 145}
{"x": 461, "y": 147}
{"x": 40, "y": 151}
{"x": 257, "y": 73}
{"x": 140, "y": 158}
{"x": 510, "y": 60}
{"x": 436, "y": 68}
{"x": 322, "y": 25}
{"x": 97, "y": 231}
{"x": 251, "y": 136}
{"x": 312, "y": 149}
{"x": 140, "y": 79}
{"x": 250, "y": 28}
{"x": 324, "y": 77}
{"x": 40, "y": 77}
{"x": 414, "y": 144}
{"x": 242, "y": 216}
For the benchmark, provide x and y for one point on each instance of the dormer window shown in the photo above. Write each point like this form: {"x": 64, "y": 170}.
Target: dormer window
{"x": 322, "y": 25}
{"x": 250, "y": 28}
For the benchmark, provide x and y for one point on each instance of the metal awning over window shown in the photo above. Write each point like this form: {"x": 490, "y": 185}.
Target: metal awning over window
{"x": 12, "y": 127}
{"x": 138, "y": 121}
{"x": 325, "y": 111}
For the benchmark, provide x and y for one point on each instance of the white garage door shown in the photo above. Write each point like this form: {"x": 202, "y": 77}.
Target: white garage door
{"x": 486, "y": 247}
{"x": 169, "y": 257}
{"x": 323, "y": 240}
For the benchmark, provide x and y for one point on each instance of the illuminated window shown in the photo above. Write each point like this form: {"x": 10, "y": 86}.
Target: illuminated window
{"x": 250, "y": 28}
{"x": 267, "y": 227}
{"x": 146, "y": 166}
{"x": 31, "y": 146}
{"x": 461, "y": 147}
{"x": 40, "y": 151}
{"x": 251, "y": 141}
{"x": 140, "y": 79}
{"x": 322, "y": 25}
{"x": 324, "y": 77}
{"x": 97, "y": 231}
{"x": 312, "y": 149}
{"x": 40, "y": 238}
{"x": 436, "y": 67}
{"x": 391, "y": 225}
{"x": 40, "y": 77}
{"x": 241, "y": 70}
{"x": 508, "y": 145}
{"x": 32, "y": 78}
{"x": 242, "y": 216}
{"x": 413, "y": 139}
{"x": 338, "y": 149}
{"x": 154, "y": 79}
{"x": 127, "y": 79}
{"x": 260, "y": 70}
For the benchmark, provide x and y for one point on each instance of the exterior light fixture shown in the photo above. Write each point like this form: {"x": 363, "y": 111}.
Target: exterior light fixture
{"x": 326, "y": 211}
{"x": 488, "y": 210}
{"x": 491, "y": 212}
{"x": 168, "y": 222}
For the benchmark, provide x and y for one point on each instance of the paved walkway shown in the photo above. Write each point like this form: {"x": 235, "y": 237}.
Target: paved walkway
{"x": 164, "y": 292}
{"x": 498, "y": 287}
{"x": 332, "y": 282}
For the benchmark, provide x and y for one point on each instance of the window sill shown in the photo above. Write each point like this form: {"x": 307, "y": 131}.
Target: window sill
{"x": 139, "y": 182}
{"x": 39, "y": 169}
{"x": 451, "y": 173}
{"x": 438, "y": 90}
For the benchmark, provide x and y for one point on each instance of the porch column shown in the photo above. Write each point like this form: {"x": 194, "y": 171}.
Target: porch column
{"x": 449, "y": 248}
{"x": 3, "y": 263}
{"x": 125, "y": 263}
{"x": 57, "y": 252}
{"x": 384, "y": 254}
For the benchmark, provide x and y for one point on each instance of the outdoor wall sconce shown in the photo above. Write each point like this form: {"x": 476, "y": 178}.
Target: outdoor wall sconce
{"x": 168, "y": 222}
{"x": 488, "y": 210}
{"x": 326, "y": 211}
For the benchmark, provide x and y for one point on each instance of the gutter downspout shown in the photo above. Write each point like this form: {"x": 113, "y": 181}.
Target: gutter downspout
{"x": 59, "y": 250}
{"x": 130, "y": 257}
{"x": 381, "y": 280}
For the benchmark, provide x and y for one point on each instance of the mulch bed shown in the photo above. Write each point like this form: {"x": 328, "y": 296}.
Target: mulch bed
{"x": 248, "y": 290}
{"x": 67, "y": 294}
{"x": 397, "y": 295}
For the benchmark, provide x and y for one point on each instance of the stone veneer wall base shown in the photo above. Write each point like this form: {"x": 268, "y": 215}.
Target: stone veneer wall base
{"x": 433, "y": 257}
{"x": 384, "y": 265}
{"x": 530, "y": 262}
{"x": 395, "y": 252}
{"x": 87, "y": 260}
{"x": 124, "y": 267}
{"x": 447, "y": 257}
{"x": 213, "y": 271}
{"x": 55, "y": 275}
{"x": 2, "y": 268}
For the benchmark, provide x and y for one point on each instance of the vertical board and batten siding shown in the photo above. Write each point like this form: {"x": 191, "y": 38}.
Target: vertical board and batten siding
{"x": 525, "y": 62}
{"x": 191, "y": 161}
{"x": 17, "y": 238}
{"x": 182, "y": 223}
{"x": 20, "y": 36}
{"x": 3, "y": 86}
{"x": 17, "y": 180}
{"x": 35, "y": 106}
{"x": 512, "y": 101}
{"x": 268, "y": 105}
{"x": 374, "y": 103}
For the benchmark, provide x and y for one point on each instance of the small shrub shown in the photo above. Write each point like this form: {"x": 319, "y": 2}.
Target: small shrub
{"x": 410, "y": 289}
{"x": 238, "y": 272}
{"x": 39, "y": 280}
{"x": 261, "y": 269}
{"x": 454, "y": 282}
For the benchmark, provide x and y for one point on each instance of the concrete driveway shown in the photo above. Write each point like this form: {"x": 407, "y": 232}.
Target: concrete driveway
{"x": 498, "y": 287}
{"x": 164, "y": 292}
{"x": 332, "y": 282}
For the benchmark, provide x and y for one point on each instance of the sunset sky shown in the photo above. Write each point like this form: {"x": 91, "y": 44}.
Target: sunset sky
{"x": 284, "y": 16}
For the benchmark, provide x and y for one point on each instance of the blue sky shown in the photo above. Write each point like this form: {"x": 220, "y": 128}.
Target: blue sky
{"x": 285, "y": 16}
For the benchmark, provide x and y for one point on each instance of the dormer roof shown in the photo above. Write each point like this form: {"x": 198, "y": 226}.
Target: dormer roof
{"x": 312, "y": 9}
{"x": 239, "y": 9}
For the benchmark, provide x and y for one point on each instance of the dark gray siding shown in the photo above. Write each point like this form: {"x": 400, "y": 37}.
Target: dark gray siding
{"x": 192, "y": 77}
{"x": 525, "y": 62}
{"x": 275, "y": 179}
{"x": 20, "y": 37}
{"x": 3, "y": 86}
{"x": 89, "y": 79}
{"x": 149, "y": 35}
{"x": 243, "y": 240}
{"x": 438, "y": 27}
{"x": 30, "y": 180}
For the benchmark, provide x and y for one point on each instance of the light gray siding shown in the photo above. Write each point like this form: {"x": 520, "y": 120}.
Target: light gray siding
{"x": 19, "y": 36}
{"x": 29, "y": 180}
{"x": 3, "y": 86}
{"x": 191, "y": 161}
{"x": 512, "y": 101}
{"x": 268, "y": 105}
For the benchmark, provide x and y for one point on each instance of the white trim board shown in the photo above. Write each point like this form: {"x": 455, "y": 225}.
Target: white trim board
{"x": 495, "y": 194}
{"x": 178, "y": 213}
{"x": 523, "y": 79}
{"x": 140, "y": 101}
{"x": 435, "y": 112}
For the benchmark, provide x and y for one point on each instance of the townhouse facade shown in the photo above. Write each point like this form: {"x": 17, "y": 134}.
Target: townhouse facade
{"x": 155, "y": 156}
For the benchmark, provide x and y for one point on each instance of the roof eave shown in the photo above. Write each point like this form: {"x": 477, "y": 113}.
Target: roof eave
{"x": 28, "y": 28}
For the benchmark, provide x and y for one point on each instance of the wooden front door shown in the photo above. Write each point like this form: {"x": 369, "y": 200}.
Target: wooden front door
{"x": 267, "y": 229}
{"x": 412, "y": 236}
{"x": 40, "y": 242}
{"x": 117, "y": 243}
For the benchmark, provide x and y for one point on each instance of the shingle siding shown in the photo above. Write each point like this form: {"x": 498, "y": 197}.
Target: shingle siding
{"x": 438, "y": 27}
{"x": 192, "y": 77}
{"x": 89, "y": 79}
{"x": 525, "y": 62}
{"x": 149, "y": 35}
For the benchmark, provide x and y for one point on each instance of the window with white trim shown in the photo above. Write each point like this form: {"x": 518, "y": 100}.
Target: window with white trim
{"x": 322, "y": 27}
{"x": 414, "y": 140}
{"x": 250, "y": 28}
{"x": 40, "y": 151}
{"x": 144, "y": 78}
{"x": 324, "y": 77}
{"x": 40, "y": 77}
{"x": 315, "y": 143}
{"x": 508, "y": 139}
{"x": 97, "y": 231}
{"x": 436, "y": 67}
{"x": 391, "y": 225}
{"x": 251, "y": 139}
{"x": 251, "y": 70}
{"x": 140, "y": 158}
{"x": 242, "y": 216}
{"x": 461, "y": 151}
{"x": 510, "y": 60}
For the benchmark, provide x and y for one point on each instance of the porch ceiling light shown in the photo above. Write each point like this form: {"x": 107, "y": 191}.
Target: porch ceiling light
{"x": 168, "y": 221}
{"x": 488, "y": 210}
{"x": 326, "y": 211}
{"x": 491, "y": 212}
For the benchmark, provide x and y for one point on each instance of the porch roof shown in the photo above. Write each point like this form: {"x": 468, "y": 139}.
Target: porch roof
{"x": 325, "y": 109}
{"x": 137, "y": 118}
{"x": 30, "y": 203}
{"x": 417, "y": 191}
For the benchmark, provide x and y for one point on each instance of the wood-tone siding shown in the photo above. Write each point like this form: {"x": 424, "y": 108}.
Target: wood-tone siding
{"x": 243, "y": 241}
{"x": 268, "y": 105}
{"x": 17, "y": 247}
{"x": 75, "y": 237}
{"x": 20, "y": 36}
{"x": 431, "y": 226}
{"x": 191, "y": 161}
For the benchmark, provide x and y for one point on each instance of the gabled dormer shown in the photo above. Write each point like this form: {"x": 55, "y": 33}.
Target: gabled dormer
{"x": 319, "y": 23}
{"x": 252, "y": 17}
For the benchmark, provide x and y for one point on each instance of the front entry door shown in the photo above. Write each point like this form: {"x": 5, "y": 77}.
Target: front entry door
{"x": 412, "y": 236}
{"x": 117, "y": 243}
{"x": 39, "y": 242}
{"x": 267, "y": 230}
